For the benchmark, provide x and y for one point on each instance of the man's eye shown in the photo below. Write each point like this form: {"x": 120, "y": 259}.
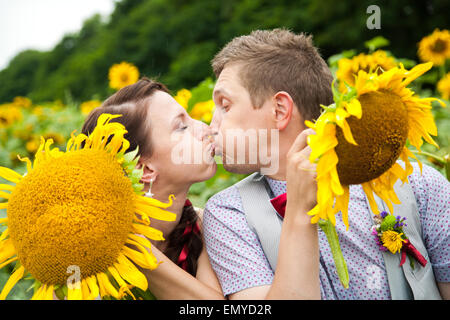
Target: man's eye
{"x": 225, "y": 102}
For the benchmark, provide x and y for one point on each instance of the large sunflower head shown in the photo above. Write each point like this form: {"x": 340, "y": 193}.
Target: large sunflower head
{"x": 361, "y": 136}
{"x": 72, "y": 218}
{"x": 348, "y": 69}
{"x": 435, "y": 47}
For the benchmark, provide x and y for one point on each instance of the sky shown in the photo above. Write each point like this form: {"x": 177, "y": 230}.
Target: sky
{"x": 41, "y": 24}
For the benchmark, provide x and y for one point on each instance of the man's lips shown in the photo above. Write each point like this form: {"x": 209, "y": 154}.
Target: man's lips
{"x": 212, "y": 148}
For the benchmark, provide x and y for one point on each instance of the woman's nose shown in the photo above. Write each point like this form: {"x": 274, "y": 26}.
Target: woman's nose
{"x": 202, "y": 131}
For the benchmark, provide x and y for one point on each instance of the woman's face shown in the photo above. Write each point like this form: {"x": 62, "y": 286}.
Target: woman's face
{"x": 182, "y": 150}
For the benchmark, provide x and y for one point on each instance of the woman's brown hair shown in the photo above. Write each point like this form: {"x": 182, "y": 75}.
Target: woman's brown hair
{"x": 132, "y": 103}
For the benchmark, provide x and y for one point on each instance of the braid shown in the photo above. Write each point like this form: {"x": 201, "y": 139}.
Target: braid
{"x": 194, "y": 242}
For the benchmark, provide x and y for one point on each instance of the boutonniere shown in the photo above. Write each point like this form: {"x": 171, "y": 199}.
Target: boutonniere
{"x": 389, "y": 235}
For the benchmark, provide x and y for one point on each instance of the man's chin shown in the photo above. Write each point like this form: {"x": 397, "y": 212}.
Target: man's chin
{"x": 240, "y": 168}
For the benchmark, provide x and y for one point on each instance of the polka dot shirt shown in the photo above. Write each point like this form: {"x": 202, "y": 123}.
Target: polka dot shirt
{"x": 239, "y": 261}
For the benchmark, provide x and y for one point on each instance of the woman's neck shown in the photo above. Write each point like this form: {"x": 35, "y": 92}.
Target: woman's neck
{"x": 161, "y": 191}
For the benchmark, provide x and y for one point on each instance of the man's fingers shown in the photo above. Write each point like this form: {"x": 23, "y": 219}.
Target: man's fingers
{"x": 301, "y": 140}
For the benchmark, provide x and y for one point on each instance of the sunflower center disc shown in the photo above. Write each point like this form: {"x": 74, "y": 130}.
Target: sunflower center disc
{"x": 380, "y": 133}
{"x": 76, "y": 210}
{"x": 439, "y": 46}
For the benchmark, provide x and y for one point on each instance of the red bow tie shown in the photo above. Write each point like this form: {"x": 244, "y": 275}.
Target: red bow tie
{"x": 279, "y": 203}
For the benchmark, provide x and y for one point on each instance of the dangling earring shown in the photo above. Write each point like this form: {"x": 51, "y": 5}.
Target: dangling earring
{"x": 149, "y": 193}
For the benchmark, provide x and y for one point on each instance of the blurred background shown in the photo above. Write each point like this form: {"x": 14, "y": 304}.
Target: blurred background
{"x": 61, "y": 59}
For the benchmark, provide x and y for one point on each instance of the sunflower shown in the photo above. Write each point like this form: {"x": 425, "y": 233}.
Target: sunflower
{"x": 9, "y": 114}
{"x": 122, "y": 75}
{"x": 203, "y": 111}
{"x": 81, "y": 209}
{"x": 23, "y": 102}
{"x": 435, "y": 47}
{"x": 360, "y": 137}
{"x": 377, "y": 61}
{"x": 443, "y": 86}
{"x": 183, "y": 97}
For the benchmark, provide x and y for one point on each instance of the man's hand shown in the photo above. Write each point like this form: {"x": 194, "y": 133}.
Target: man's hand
{"x": 301, "y": 175}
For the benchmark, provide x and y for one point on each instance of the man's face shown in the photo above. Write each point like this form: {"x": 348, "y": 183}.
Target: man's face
{"x": 238, "y": 124}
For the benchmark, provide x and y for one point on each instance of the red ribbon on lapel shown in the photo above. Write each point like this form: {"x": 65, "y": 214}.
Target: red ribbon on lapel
{"x": 279, "y": 203}
{"x": 409, "y": 248}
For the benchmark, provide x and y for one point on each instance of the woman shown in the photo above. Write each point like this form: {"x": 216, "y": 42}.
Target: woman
{"x": 170, "y": 147}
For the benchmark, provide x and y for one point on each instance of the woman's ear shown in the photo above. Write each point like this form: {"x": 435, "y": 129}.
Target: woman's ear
{"x": 282, "y": 109}
{"x": 150, "y": 173}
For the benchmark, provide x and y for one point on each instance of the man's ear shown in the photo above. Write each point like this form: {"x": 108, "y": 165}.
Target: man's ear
{"x": 282, "y": 109}
{"x": 150, "y": 172}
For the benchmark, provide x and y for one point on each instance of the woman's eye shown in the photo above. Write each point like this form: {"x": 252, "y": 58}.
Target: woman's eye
{"x": 183, "y": 127}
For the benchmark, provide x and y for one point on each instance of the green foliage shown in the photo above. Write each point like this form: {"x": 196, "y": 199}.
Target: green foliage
{"x": 174, "y": 40}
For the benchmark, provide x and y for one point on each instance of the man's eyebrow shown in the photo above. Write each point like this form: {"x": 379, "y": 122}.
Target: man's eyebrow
{"x": 220, "y": 91}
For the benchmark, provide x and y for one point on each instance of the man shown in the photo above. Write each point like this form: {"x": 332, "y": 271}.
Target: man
{"x": 272, "y": 81}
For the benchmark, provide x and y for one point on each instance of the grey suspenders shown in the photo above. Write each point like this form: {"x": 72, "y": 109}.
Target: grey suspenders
{"x": 404, "y": 282}
{"x": 261, "y": 216}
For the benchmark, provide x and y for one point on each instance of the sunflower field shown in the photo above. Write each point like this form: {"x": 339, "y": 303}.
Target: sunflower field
{"x": 23, "y": 122}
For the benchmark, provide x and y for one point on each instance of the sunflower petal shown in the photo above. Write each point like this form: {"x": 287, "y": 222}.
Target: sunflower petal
{"x": 154, "y": 202}
{"x": 8, "y": 262}
{"x": 369, "y": 193}
{"x": 130, "y": 273}
{"x": 74, "y": 292}
{"x": 155, "y": 212}
{"x": 347, "y": 132}
{"x": 13, "y": 279}
{"x": 7, "y": 251}
{"x": 354, "y": 108}
{"x": 7, "y": 187}
{"x": 93, "y": 287}
{"x": 106, "y": 284}
{"x": 85, "y": 290}
{"x": 38, "y": 295}
{"x": 48, "y": 293}
{"x": 10, "y": 175}
{"x": 5, "y": 195}
{"x": 149, "y": 232}
{"x": 149, "y": 259}
{"x": 122, "y": 284}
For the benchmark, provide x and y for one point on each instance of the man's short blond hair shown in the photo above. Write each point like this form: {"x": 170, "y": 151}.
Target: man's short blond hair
{"x": 279, "y": 60}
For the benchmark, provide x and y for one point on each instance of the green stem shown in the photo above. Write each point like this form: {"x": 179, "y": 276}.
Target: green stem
{"x": 339, "y": 261}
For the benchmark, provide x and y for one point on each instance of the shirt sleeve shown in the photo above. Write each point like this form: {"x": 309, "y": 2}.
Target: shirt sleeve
{"x": 432, "y": 191}
{"x": 233, "y": 248}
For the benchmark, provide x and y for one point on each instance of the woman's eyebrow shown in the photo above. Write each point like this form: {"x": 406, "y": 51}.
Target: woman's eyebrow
{"x": 174, "y": 120}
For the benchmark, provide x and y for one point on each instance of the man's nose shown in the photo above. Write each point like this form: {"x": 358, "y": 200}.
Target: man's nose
{"x": 215, "y": 122}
